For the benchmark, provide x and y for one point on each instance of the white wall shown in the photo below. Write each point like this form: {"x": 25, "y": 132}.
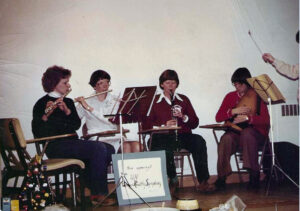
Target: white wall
{"x": 135, "y": 40}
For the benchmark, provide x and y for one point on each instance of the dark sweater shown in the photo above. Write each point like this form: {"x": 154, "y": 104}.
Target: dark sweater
{"x": 58, "y": 122}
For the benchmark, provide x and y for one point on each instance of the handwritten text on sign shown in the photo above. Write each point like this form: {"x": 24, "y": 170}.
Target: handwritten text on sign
{"x": 144, "y": 176}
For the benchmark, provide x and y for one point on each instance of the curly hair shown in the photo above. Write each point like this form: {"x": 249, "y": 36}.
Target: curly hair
{"x": 52, "y": 76}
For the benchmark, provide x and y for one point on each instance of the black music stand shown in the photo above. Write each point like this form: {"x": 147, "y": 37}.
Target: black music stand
{"x": 270, "y": 94}
{"x": 135, "y": 104}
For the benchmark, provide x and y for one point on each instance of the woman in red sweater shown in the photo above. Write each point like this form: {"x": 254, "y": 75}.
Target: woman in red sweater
{"x": 171, "y": 109}
{"x": 254, "y": 134}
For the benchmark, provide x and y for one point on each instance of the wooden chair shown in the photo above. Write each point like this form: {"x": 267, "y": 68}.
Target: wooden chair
{"x": 178, "y": 155}
{"x": 16, "y": 159}
{"x": 263, "y": 151}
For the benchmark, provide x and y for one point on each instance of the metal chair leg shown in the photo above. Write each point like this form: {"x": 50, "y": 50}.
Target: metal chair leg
{"x": 193, "y": 172}
{"x": 181, "y": 170}
{"x": 73, "y": 189}
{"x": 57, "y": 191}
{"x": 64, "y": 189}
{"x": 238, "y": 168}
{"x": 82, "y": 194}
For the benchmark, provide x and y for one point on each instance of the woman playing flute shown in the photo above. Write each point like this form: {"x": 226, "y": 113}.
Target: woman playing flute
{"x": 92, "y": 110}
{"x": 62, "y": 118}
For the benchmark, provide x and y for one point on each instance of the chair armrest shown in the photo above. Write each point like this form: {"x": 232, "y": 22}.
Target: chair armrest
{"x": 104, "y": 134}
{"x": 225, "y": 126}
{"x": 49, "y": 138}
{"x": 150, "y": 132}
{"x": 38, "y": 141}
{"x": 164, "y": 129}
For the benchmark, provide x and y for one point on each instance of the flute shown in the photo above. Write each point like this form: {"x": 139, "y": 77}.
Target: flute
{"x": 94, "y": 95}
{"x": 51, "y": 107}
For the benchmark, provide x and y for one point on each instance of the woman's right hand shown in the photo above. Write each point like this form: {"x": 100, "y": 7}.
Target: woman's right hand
{"x": 79, "y": 99}
{"x": 84, "y": 104}
{"x": 268, "y": 58}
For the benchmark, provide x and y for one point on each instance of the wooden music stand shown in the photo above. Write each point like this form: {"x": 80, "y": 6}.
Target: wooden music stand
{"x": 269, "y": 93}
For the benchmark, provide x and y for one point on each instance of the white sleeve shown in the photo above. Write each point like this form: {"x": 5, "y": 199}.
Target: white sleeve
{"x": 290, "y": 71}
{"x": 111, "y": 109}
{"x": 99, "y": 115}
{"x": 80, "y": 111}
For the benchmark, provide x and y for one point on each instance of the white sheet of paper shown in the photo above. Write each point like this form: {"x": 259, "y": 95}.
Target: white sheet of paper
{"x": 144, "y": 176}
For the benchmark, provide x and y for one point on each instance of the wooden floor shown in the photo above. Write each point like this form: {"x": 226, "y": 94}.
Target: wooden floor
{"x": 282, "y": 197}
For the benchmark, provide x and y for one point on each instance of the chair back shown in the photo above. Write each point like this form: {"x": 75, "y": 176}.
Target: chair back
{"x": 13, "y": 144}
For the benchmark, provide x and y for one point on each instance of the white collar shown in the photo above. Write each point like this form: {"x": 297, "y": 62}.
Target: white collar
{"x": 55, "y": 94}
{"x": 167, "y": 99}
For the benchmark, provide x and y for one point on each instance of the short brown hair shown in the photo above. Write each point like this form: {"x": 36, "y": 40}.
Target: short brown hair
{"x": 168, "y": 75}
{"x": 97, "y": 75}
{"x": 52, "y": 76}
{"x": 240, "y": 75}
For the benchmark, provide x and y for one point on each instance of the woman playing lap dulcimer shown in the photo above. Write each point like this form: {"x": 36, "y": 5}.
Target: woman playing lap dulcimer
{"x": 254, "y": 122}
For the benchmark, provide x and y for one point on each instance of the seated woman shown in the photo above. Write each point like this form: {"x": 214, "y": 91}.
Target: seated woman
{"x": 171, "y": 109}
{"x": 55, "y": 114}
{"x": 255, "y": 131}
{"x": 92, "y": 110}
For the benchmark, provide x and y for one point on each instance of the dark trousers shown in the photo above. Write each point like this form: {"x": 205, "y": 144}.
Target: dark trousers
{"x": 192, "y": 142}
{"x": 248, "y": 140}
{"x": 95, "y": 155}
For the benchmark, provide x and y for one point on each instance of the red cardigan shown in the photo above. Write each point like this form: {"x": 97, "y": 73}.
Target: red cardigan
{"x": 260, "y": 122}
{"x": 161, "y": 113}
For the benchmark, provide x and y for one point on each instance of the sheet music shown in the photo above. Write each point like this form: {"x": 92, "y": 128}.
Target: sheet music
{"x": 265, "y": 88}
